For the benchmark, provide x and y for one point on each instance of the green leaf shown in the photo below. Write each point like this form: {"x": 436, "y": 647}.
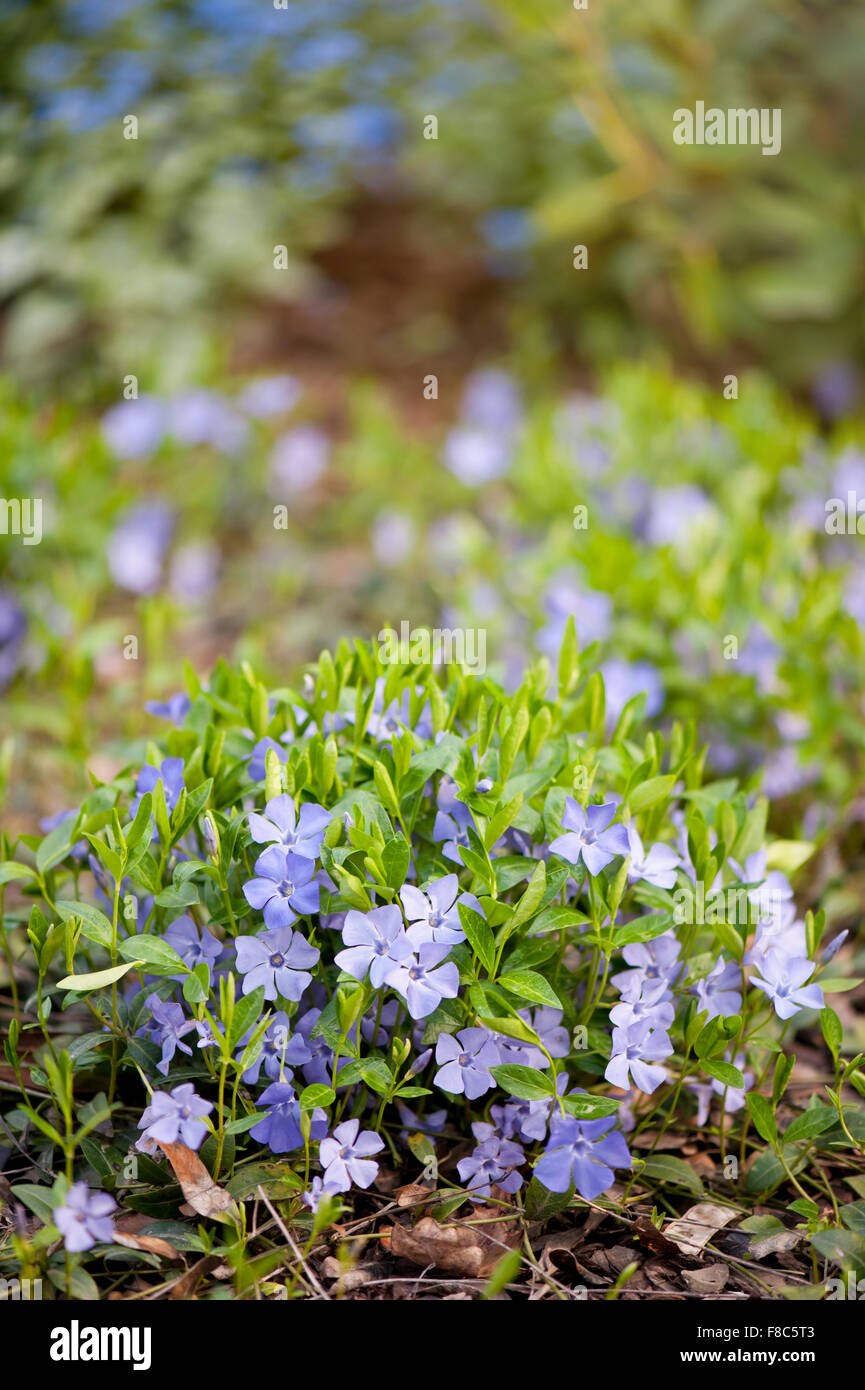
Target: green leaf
{"x": 725, "y": 1073}
{"x": 647, "y": 793}
{"x": 590, "y": 1107}
{"x": 395, "y": 858}
{"x": 10, "y": 870}
{"x": 528, "y": 984}
{"x": 479, "y": 935}
{"x": 317, "y": 1095}
{"x": 247, "y": 1011}
{"x": 526, "y": 1083}
{"x": 673, "y": 1171}
{"x": 833, "y": 1032}
{"x": 96, "y": 979}
{"x": 95, "y": 926}
{"x": 512, "y": 1028}
{"x": 157, "y": 955}
{"x": 764, "y": 1121}
{"x": 810, "y": 1123}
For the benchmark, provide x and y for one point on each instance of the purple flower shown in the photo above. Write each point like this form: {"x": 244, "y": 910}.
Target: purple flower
{"x": 658, "y": 968}
{"x": 465, "y": 1061}
{"x": 623, "y": 680}
{"x": 547, "y": 1023}
{"x": 476, "y": 456}
{"x": 174, "y": 1117}
{"x": 280, "y": 1128}
{"x": 203, "y": 417}
{"x": 384, "y": 724}
{"x": 170, "y": 773}
{"x": 84, "y": 1218}
{"x": 491, "y": 401}
{"x": 298, "y": 460}
{"x": 258, "y": 761}
{"x": 278, "y": 1051}
{"x": 175, "y": 708}
{"x": 784, "y": 983}
{"x": 452, "y": 828}
{"x": 634, "y": 1050}
{"x": 13, "y": 626}
{"x": 495, "y": 1160}
{"x": 376, "y": 942}
{"x": 720, "y": 991}
{"x": 658, "y": 1012}
{"x": 137, "y": 547}
{"x": 169, "y": 1025}
{"x": 270, "y": 395}
{"x": 346, "y": 1156}
{"x": 282, "y": 887}
{"x": 526, "y": 1119}
{"x": 279, "y": 960}
{"x": 192, "y": 948}
{"x": 435, "y": 911}
{"x": 584, "y": 1153}
{"x": 423, "y": 981}
{"x": 433, "y": 1123}
{"x": 318, "y": 1069}
{"x": 134, "y": 428}
{"x": 302, "y": 834}
{"x": 658, "y": 867}
{"x": 589, "y": 836}
{"x": 734, "y": 1098}
{"x": 194, "y": 571}
{"x": 316, "y": 1194}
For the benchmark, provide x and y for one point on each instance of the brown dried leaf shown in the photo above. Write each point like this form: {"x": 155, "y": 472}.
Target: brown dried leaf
{"x": 204, "y": 1195}
{"x": 697, "y": 1227}
{"x": 652, "y": 1238}
{"x": 710, "y": 1279}
{"x": 457, "y": 1246}
{"x": 153, "y": 1244}
{"x": 185, "y": 1285}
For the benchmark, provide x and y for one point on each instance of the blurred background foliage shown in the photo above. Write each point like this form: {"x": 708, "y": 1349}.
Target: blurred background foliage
{"x": 304, "y": 127}
{"x": 303, "y": 387}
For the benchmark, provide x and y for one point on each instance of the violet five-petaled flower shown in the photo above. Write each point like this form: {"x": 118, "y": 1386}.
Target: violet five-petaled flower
{"x": 279, "y": 960}
{"x": 376, "y": 943}
{"x": 465, "y": 1061}
{"x": 280, "y": 1129}
{"x": 302, "y": 832}
{"x": 784, "y": 982}
{"x": 284, "y": 887}
{"x": 494, "y": 1161}
{"x": 588, "y": 835}
{"x": 84, "y": 1217}
{"x": 174, "y": 1117}
{"x": 423, "y": 981}
{"x": 346, "y": 1156}
{"x": 582, "y": 1152}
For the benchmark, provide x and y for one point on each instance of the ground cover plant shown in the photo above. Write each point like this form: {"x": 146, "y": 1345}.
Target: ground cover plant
{"x": 397, "y": 978}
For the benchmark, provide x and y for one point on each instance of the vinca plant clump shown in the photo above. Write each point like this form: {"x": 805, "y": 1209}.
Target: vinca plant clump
{"x": 397, "y": 941}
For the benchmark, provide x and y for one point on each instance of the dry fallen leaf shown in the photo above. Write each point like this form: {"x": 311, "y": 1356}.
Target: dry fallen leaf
{"x": 201, "y": 1192}
{"x": 456, "y": 1246}
{"x": 153, "y": 1244}
{"x": 696, "y": 1228}
{"x": 710, "y": 1279}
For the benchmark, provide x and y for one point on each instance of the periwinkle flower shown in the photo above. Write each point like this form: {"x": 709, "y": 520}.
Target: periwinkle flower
{"x": 170, "y": 773}
{"x": 279, "y": 1050}
{"x": 13, "y": 626}
{"x": 658, "y": 1012}
{"x": 719, "y": 992}
{"x": 298, "y": 460}
{"x": 283, "y": 887}
{"x": 194, "y": 571}
{"x": 391, "y": 722}
{"x": 494, "y": 1161}
{"x": 269, "y": 395}
{"x": 280, "y": 1129}
{"x": 134, "y": 428}
{"x": 451, "y": 830}
{"x": 193, "y": 949}
{"x": 175, "y": 708}
{"x": 317, "y": 1193}
{"x": 279, "y": 960}
{"x": 84, "y": 1218}
{"x": 281, "y": 824}
{"x": 346, "y": 1156}
{"x": 376, "y": 943}
{"x": 393, "y": 538}
{"x": 423, "y": 981}
{"x": 168, "y": 1026}
{"x": 174, "y": 1117}
{"x": 657, "y": 967}
{"x": 547, "y": 1023}
{"x": 733, "y": 1096}
{"x": 658, "y": 867}
{"x": 491, "y": 401}
{"x": 436, "y": 911}
{"x": 588, "y": 835}
{"x": 582, "y": 1152}
{"x": 203, "y": 417}
{"x": 318, "y": 1069}
{"x": 784, "y": 982}
{"x": 635, "y": 1049}
{"x": 137, "y": 547}
{"x": 464, "y": 1062}
{"x": 623, "y": 680}
{"x": 476, "y": 456}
